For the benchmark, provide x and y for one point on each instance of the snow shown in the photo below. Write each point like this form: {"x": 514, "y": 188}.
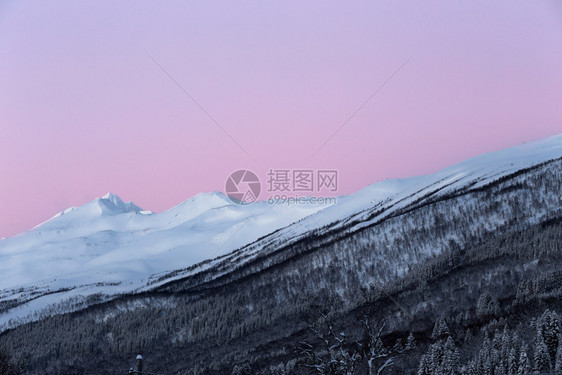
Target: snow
{"x": 110, "y": 246}
{"x": 384, "y": 199}
{"x": 119, "y": 246}
{"x": 475, "y": 172}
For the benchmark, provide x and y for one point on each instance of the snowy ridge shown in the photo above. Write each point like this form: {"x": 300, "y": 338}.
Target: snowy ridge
{"x": 111, "y": 247}
{"x": 108, "y": 247}
{"x": 384, "y": 199}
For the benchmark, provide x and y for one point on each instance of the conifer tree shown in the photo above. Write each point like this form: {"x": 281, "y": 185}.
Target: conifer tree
{"x": 440, "y": 329}
{"x": 524, "y": 365}
{"x": 558, "y": 359}
{"x": 542, "y": 358}
{"x": 410, "y": 342}
{"x": 425, "y": 366}
{"x": 451, "y": 358}
{"x": 548, "y": 329}
{"x": 512, "y": 362}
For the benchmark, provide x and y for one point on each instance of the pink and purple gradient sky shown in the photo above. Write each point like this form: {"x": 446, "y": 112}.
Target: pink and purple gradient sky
{"x": 84, "y": 110}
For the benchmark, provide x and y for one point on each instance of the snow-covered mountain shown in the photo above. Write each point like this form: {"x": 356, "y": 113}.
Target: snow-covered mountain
{"x": 108, "y": 247}
{"x": 381, "y": 202}
{"x": 111, "y": 247}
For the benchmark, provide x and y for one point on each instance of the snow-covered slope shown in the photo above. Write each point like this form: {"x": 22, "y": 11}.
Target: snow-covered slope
{"x": 107, "y": 246}
{"x": 383, "y": 200}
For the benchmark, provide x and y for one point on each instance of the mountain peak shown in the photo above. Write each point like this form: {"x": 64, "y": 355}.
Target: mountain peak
{"x": 211, "y": 195}
{"x": 111, "y": 196}
{"x": 112, "y": 202}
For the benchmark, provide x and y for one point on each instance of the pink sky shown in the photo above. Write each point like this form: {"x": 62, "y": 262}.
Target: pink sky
{"x": 84, "y": 110}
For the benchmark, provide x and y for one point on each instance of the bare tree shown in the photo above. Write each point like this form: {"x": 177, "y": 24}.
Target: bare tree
{"x": 332, "y": 356}
{"x": 374, "y": 350}
{"x": 336, "y": 355}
